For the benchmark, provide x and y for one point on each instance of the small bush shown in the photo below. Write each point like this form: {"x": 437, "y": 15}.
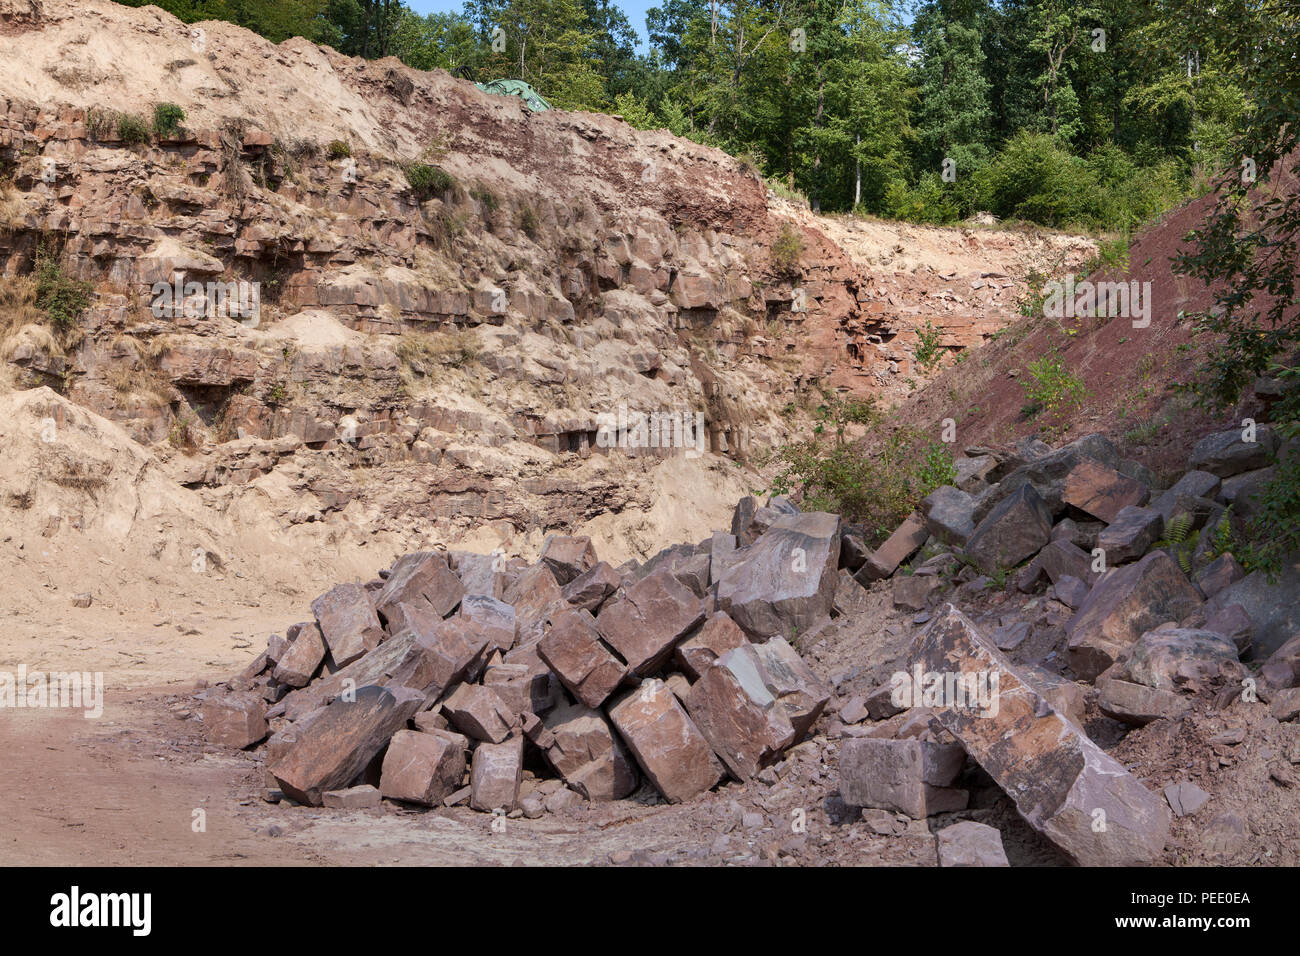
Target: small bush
{"x": 487, "y": 197}
{"x": 61, "y": 297}
{"x": 928, "y": 349}
{"x": 787, "y": 250}
{"x": 167, "y": 119}
{"x": 528, "y": 222}
{"x": 132, "y": 130}
{"x": 877, "y": 491}
{"x": 1052, "y": 388}
{"x": 428, "y": 181}
{"x": 338, "y": 149}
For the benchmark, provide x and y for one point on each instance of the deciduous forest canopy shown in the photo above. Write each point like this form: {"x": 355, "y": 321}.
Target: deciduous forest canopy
{"x": 1094, "y": 114}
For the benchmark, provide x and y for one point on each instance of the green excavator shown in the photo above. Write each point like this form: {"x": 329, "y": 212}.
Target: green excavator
{"x": 532, "y": 99}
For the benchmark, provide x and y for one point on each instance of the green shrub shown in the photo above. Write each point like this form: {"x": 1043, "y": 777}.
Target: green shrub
{"x": 428, "y": 181}
{"x": 338, "y": 149}
{"x": 167, "y": 119}
{"x": 927, "y": 201}
{"x": 1052, "y": 388}
{"x": 528, "y": 222}
{"x": 928, "y": 349}
{"x": 487, "y": 197}
{"x": 132, "y": 130}
{"x": 877, "y": 491}
{"x": 1034, "y": 178}
{"x": 61, "y": 297}
{"x": 787, "y": 250}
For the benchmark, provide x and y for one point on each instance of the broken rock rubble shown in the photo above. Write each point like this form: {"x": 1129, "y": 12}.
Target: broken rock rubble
{"x": 434, "y": 695}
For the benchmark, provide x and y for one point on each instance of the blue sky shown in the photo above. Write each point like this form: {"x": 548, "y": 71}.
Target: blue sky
{"x": 634, "y": 9}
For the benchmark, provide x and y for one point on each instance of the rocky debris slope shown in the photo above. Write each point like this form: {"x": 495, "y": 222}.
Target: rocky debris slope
{"x": 515, "y": 687}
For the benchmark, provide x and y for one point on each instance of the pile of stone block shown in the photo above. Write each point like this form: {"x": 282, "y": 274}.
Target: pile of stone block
{"x": 439, "y": 682}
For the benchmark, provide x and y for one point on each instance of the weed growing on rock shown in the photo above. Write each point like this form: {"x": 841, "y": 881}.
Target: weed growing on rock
{"x": 62, "y": 297}
{"x": 132, "y": 130}
{"x": 787, "y": 250}
{"x": 428, "y": 181}
{"x": 167, "y": 119}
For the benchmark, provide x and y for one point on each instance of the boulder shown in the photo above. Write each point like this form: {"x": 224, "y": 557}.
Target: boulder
{"x": 478, "y": 573}
{"x": 786, "y": 583}
{"x": 364, "y": 797}
{"x": 1282, "y": 669}
{"x": 535, "y": 596}
{"x": 645, "y": 622}
{"x": 722, "y": 555}
{"x": 851, "y": 597}
{"x": 234, "y": 720}
{"x": 916, "y": 591}
{"x": 589, "y": 589}
{"x": 901, "y": 545}
{"x": 787, "y": 678}
{"x": 298, "y": 664}
{"x": 1233, "y": 623}
{"x": 330, "y": 747}
{"x": 447, "y": 653}
{"x": 568, "y": 556}
{"x": 422, "y": 768}
{"x": 583, "y": 748}
{"x": 1227, "y": 453}
{"x": 479, "y": 712}
{"x": 1062, "y": 783}
{"x": 1102, "y": 491}
{"x": 496, "y": 772}
{"x": 1131, "y": 534}
{"x": 669, "y": 748}
{"x": 573, "y": 649}
{"x": 970, "y": 844}
{"x": 1169, "y": 657}
{"x": 420, "y": 580}
{"x": 1195, "y": 484}
{"x": 1185, "y": 798}
{"x": 1070, "y": 591}
{"x": 1046, "y": 471}
{"x": 348, "y": 622}
{"x": 1016, "y": 529}
{"x": 718, "y": 635}
{"x": 1222, "y": 572}
{"x": 374, "y": 667}
{"x": 914, "y": 777}
{"x": 492, "y": 619}
{"x": 1272, "y": 605}
{"x": 949, "y": 515}
{"x": 1138, "y": 704}
{"x": 743, "y": 723}
{"x": 1124, "y": 604}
